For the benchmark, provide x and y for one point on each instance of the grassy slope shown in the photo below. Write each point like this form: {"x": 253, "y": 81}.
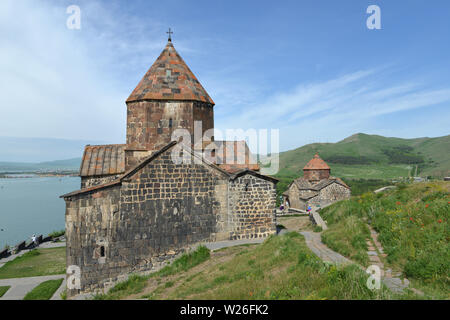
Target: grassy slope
{"x": 282, "y": 267}
{"x": 136, "y": 283}
{"x": 3, "y": 290}
{"x": 413, "y": 226}
{"x": 38, "y": 262}
{"x": 44, "y": 291}
{"x": 371, "y": 147}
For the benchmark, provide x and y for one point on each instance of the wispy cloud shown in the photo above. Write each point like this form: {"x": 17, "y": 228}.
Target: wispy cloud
{"x": 66, "y": 83}
{"x": 73, "y": 84}
{"x": 330, "y": 110}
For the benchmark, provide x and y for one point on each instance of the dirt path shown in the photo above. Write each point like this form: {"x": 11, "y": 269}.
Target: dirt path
{"x": 295, "y": 223}
{"x": 314, "y": 242}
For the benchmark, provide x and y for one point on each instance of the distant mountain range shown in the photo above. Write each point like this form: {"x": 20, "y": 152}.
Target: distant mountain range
{"x": 58, "y": 165}
{"x": 358, "y": 156}
{"x": 33, "y": 154}
{"x": 373, "y": 156}
{"x": 34, "y": 150}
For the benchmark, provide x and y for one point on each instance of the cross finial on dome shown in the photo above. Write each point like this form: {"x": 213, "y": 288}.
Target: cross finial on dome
{"x": 170, "y": 34}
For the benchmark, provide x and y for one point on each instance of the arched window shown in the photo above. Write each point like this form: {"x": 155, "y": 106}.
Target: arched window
{"x": 170, "y": 123}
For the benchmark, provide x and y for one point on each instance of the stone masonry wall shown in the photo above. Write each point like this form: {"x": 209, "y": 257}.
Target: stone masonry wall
{"x": 152, "y": 217}
{"x": 87, "y": 182}
{"x": 307, "y": 194}
{"x": 333, "y": 192}
{"x": 89, "y": 220}
{"x": 166, "y": 207}
{"x": 150, "y": 123}
{"x": 252, "y": 204}
{"x": 294, "y": 198}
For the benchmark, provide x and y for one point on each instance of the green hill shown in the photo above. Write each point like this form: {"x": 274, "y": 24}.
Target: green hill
{"x": 373, "y": 157}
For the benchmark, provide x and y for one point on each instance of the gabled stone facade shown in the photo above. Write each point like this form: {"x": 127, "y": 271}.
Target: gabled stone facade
{"x": 157, "y": 211}
{"x": 138, "y": 209}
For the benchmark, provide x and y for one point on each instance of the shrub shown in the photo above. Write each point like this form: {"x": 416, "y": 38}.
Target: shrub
{"x": 56, "y": 234}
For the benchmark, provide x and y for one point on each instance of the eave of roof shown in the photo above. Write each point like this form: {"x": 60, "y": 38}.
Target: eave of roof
{"x": 253, "y": 173}
{"x": 92, "y": 189}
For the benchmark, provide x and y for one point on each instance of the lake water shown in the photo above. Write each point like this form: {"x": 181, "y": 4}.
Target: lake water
{"x": 32, "y": 206}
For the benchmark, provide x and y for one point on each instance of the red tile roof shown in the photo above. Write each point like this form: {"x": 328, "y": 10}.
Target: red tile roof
{"x": 103, "y": 160}
{"x": 316, "y": 163}
{"x": 169, "y": 78}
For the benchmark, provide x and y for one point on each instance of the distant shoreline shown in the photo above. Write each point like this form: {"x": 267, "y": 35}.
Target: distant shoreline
{"x": 32, "y": 174}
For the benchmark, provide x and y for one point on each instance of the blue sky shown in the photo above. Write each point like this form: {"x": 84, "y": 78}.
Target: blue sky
{"x": 309, "y": 68}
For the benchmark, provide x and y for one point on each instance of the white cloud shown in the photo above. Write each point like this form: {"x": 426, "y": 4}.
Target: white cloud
{"x": 331, "y": 110}
{"x": 66, "y": 83}
{"x": 73, "y": 84}
{"x": 48, "y": 80}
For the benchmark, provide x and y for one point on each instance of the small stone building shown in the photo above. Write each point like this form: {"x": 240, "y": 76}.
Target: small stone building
{"x": 316, "y": 187}
{"x": 137, "y": 208}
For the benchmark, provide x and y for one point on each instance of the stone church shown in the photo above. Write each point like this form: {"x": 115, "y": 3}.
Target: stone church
{"x": 316, "y": 187}
{"x": 138, "y": 209}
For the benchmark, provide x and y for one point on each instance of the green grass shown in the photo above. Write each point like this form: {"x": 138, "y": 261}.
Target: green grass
{"x": 317, "y": 229}
{"x": 186, "y": 262}
{"x": 3, "y": 290}
{"x": 360, "y": 186}
{"x": 282, "y": 267}
{"x": 413, "y": 228}
{"x": 135, "y": 283}
{"x": 37, "y": 262}
{"x": 44, "y": 291}
{"x": 347, "y": 234}
{"x": 56, "y": 234}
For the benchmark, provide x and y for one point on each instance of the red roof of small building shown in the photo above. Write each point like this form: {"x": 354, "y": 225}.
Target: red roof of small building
{"x": 169, "y": 78}
{"x": 316, "y": 164}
